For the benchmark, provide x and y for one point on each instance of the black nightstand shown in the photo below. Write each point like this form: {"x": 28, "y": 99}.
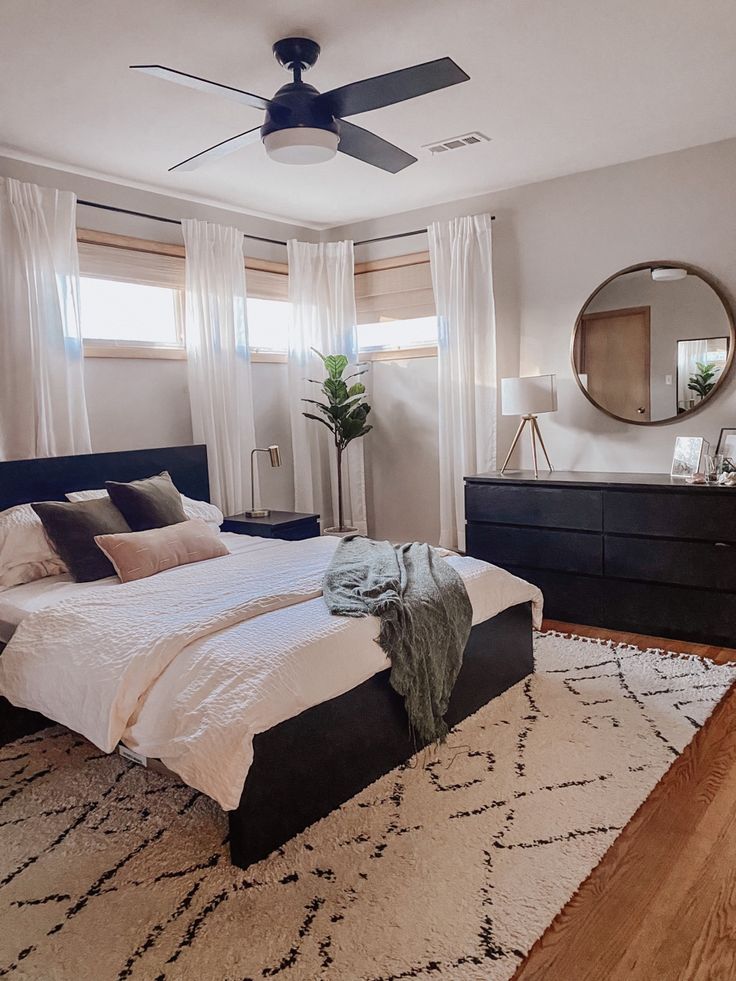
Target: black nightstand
{"x": 289, "y": 525}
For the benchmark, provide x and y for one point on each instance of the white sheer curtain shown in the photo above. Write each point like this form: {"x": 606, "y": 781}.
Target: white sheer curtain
{"x": 322, "y": 295}
{"x": 220, "y": 388}
{"x": 461, "y": 260}
{"x": 688, "y": 355}
{"x": 42, "y": 405}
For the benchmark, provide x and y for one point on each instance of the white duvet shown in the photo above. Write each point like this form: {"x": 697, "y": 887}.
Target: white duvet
{"x": 189, "y": 665}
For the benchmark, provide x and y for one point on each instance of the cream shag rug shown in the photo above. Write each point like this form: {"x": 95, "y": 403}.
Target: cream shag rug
{"x": 450, "y": 868}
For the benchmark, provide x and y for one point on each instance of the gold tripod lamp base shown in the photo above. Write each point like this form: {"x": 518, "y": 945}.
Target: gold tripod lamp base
{"x": 534, "y": 433}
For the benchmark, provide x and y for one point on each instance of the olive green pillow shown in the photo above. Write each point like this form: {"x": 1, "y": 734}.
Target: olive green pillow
{"x": 71, "y": 529}
{"x": 151, "y": 503}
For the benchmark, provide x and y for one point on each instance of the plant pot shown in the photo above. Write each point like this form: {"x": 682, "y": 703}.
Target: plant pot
{"x": 339, "y": 532}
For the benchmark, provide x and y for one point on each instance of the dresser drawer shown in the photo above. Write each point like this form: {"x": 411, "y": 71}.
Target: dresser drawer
{"x": 574, "y": 599}
{"x": 671, "y": 514}
{"x": 700, "y": 615}
{"x": 552, "y": 507}
{"x": 704, "y": 564}
{"x": 537, "y": 548}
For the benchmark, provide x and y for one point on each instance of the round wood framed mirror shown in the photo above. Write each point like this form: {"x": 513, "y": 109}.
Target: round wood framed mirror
{"x": 653, "y": 343}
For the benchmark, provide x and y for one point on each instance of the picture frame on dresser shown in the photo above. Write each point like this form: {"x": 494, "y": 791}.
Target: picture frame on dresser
{"x": 687, "y": 458}
{"x": 727, "y": 443}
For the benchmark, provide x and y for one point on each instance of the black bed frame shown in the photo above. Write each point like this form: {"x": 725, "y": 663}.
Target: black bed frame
{"x": 310, "y": 764}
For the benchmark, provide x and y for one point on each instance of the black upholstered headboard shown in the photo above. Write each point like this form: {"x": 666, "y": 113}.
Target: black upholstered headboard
{"x": 49, "y": 479}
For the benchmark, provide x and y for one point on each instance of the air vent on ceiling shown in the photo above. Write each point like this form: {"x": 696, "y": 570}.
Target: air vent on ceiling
{"x": 455, "y": 142}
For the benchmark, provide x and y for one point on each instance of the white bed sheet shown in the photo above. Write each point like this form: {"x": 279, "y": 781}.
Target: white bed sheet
{"x": 19, "y": 602}
{"x": 199, "y": 711}
{"x": 201, "y": 714}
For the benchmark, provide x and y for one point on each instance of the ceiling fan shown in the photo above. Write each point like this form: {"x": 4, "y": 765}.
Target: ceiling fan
{"x": 304, "y": 126}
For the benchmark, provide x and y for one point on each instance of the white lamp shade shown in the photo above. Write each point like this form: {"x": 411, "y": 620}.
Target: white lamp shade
{"x": 528, "y": 396}
{"x": 301, "y": 145}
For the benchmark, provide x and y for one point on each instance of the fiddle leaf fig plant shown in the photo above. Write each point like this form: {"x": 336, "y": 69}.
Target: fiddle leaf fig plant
{"x": 703, "y": 381}
{"x": 344, "y": 411}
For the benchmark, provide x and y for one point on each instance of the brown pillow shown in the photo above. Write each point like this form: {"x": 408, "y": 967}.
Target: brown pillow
{"x": 71, "y": 529}
{"x": 144, "y": 553}
{"x": 151, "y": 503}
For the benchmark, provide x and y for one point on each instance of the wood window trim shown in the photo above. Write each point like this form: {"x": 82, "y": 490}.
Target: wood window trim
{"x": 392, "y": 262}
{"x": 161, "y": 352}
{"x": 268, "y": 357}
{"x": 399, "y": 353}
{"x": 115, "y": 349}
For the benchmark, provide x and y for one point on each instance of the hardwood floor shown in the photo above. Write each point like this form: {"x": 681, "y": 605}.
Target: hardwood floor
{"x": 661, "y": 906}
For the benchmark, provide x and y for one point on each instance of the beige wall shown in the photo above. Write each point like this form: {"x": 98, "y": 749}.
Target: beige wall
{"x": 134, "y": 404}
{"x": 402, "y": 452}
{"x": 554, "y": 242}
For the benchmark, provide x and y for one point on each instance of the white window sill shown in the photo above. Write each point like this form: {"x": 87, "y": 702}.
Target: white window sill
{"x": 268, "y": 357}
{"x": 399, "y": 354}
{"x": 117, "y": 349}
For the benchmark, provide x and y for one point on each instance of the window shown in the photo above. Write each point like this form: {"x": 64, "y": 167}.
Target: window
{"x": 393, "y": 335}
{"x": 133, "y": 313}
{"x": 396, "y": 309}
{"x": 133, "y": 301}
{"x": 268, "y": 324}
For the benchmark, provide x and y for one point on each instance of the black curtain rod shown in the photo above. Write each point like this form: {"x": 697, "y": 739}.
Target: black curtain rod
{"x": 255, "y": 238}
{"x": 388, "y": 238}
{"x": 169, "y": 221}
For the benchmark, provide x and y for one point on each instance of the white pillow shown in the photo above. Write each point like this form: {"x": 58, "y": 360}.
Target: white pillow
{"x": 25, "y": 552}
{"x": 209, "y": 513}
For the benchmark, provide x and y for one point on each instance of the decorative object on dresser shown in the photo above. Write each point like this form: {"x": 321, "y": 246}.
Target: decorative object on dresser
{"x": 727, "y": 444}
{"x": 274, "y": 454}
{"x": 639, "y": 552}
{"x": 633, "y": 353}
{"x": 528, "y": 397}
{"x": 288, "y": 525}
{"x": 688, "y": 456}
{"x": 344, "y": 414}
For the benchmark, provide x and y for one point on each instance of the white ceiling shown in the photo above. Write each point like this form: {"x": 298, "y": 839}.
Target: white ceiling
{"x": 559, "y": 85}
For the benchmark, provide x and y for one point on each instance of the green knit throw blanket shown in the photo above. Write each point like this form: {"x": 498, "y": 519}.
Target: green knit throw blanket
{"x": 425, "y": 616}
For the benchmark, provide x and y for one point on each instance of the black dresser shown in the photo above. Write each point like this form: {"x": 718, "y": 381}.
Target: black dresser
{"x": 637, "y": 552}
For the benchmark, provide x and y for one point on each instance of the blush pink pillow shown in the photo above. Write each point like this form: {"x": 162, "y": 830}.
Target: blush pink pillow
{"x": 139, "y": 554}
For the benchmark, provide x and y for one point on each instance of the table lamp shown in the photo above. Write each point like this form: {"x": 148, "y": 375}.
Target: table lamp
{"x": 275, "y": 454}
{"x": 528, "y": 397}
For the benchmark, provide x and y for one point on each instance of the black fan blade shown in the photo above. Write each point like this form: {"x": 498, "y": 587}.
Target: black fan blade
{"x": 371, "y": 149}
{"x": 385, "y": 90}
{"x": 203, "y": 85}
{"x": 219, "y": 150}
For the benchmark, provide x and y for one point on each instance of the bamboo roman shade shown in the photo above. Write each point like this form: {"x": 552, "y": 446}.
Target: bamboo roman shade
{"x": 152, "y": 269}
{"x": 129, "y": 266}
{"x": 262, "y": 285}
{"x": 399, "y": 293}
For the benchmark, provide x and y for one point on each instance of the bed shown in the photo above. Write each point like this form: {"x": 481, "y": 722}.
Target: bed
{"x": 274, "y": 688}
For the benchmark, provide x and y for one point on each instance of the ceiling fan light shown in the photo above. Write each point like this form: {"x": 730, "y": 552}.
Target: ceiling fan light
{"x": 668, "y": 274}
{"x": 301, "y": 145}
